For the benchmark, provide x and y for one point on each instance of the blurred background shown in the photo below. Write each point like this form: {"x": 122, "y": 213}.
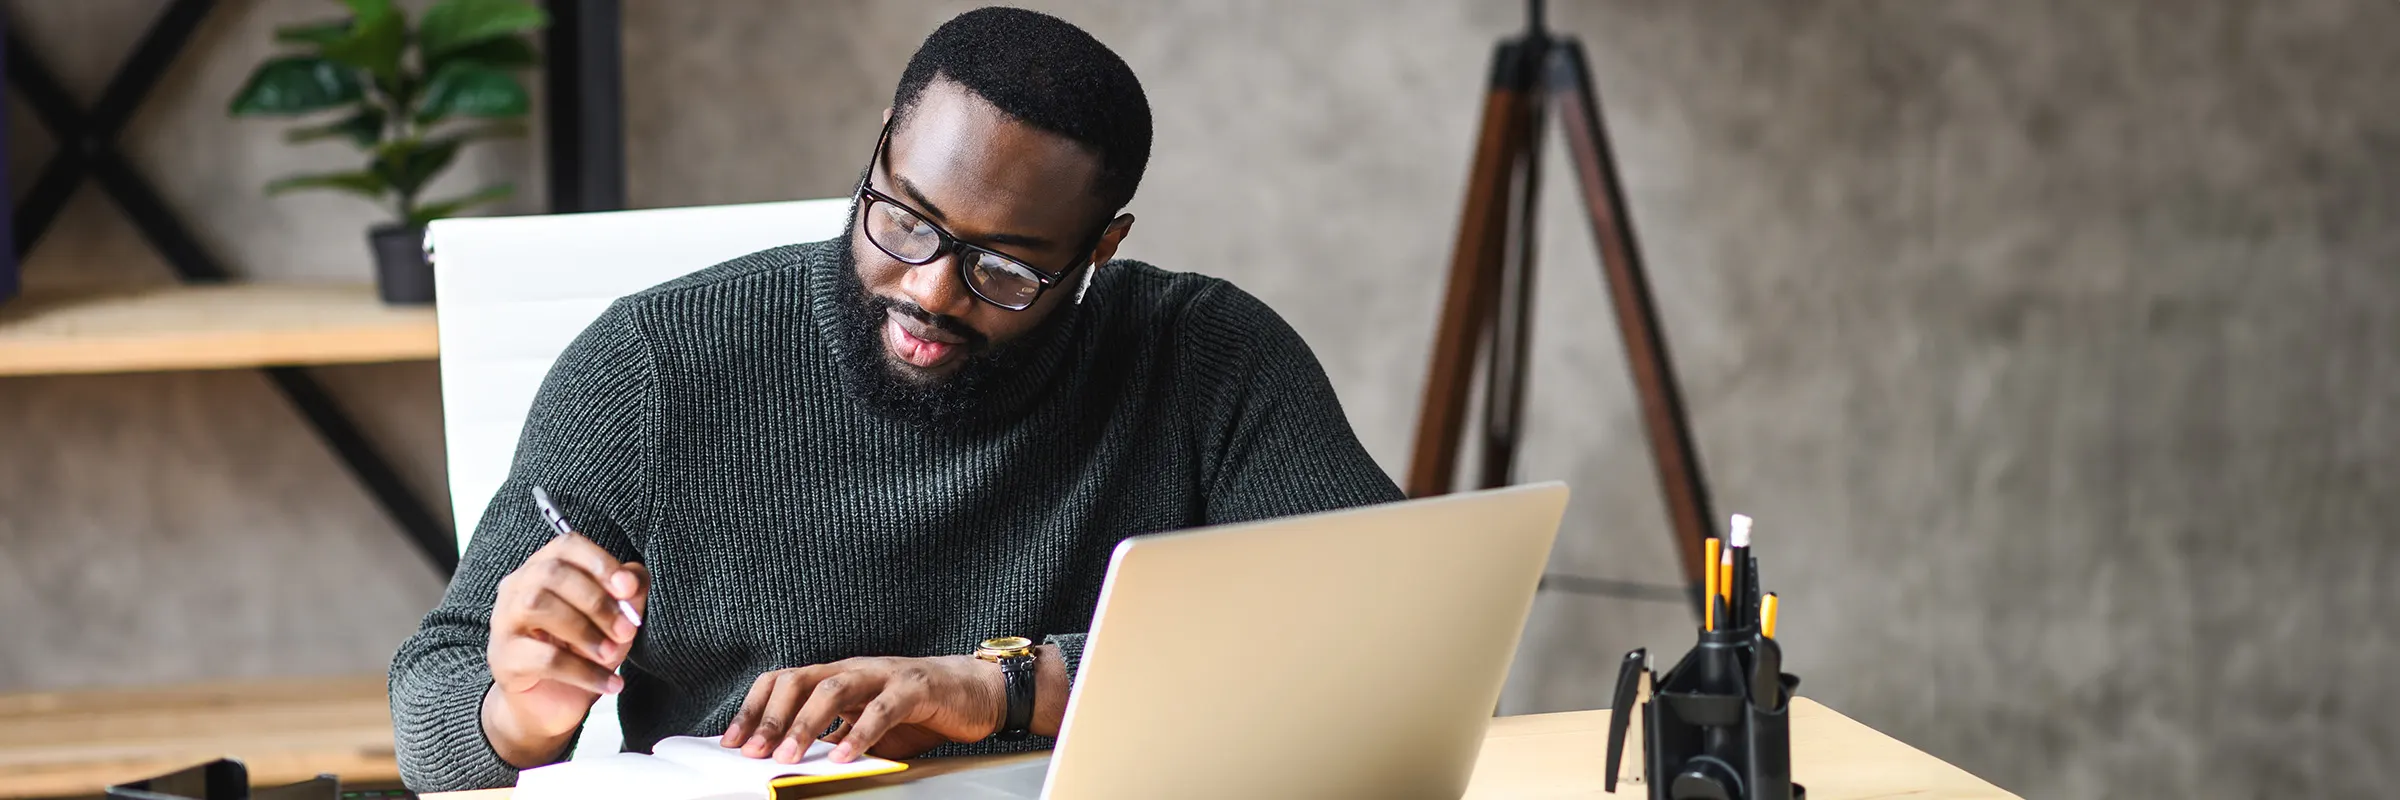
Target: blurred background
{"x": 2054, "y": 345}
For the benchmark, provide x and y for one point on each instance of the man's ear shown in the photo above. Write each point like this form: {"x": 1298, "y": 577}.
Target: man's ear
{"x": 1107, "y": 249}
{"x": 887, "y": 115}
{"x": 1111, "y": 238}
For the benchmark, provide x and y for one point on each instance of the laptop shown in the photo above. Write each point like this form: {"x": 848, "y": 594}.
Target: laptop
{"x": 1354, "y": 653}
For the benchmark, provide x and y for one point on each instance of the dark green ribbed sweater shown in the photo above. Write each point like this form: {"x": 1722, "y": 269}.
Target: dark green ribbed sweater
{"x": 702, "y": 427}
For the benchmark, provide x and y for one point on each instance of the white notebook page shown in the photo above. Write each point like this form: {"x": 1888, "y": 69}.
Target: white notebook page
{"x": 681, "y": 768}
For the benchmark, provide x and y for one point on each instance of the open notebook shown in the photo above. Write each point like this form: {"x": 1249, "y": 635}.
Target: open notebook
{"x": 688, "y": 768}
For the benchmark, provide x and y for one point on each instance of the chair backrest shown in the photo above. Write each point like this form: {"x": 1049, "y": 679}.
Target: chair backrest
{"x": 513, "y": 292}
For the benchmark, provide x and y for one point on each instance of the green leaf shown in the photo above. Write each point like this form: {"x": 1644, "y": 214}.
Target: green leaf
{"x": 366, "y": 8}
{"x": 364, "y": 128}
{"x": 318, "y": 33}
{"x": 374, "y": 43}
{"x": 363, "y": 184}
{"x": 409, "y": 164}
{"x": 440, "y": 209}
{"x": 504, "y": 53}
{"x": 472, "y": 90}
{"x": 295, "y": 85}
{"x": 451, "y": 25}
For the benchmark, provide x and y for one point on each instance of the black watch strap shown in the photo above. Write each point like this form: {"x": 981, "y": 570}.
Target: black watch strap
{"x": 1018, "y": 673}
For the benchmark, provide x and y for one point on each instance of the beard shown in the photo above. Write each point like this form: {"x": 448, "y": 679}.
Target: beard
{"x": 897, "y": 389}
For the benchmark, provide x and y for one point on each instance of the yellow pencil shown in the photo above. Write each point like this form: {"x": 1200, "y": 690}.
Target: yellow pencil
{"x": 1766, "y": 615}
{"x": 1725, "y": 578}
{"x": 1709, "y": 579}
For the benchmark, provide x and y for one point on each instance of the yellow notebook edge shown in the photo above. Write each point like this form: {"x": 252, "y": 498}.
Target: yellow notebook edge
{"x": 789, "y": 781}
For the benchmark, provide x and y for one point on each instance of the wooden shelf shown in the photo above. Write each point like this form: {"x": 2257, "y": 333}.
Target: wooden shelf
{"x": 117, "y": 328}
{"x": 56, "y": 744}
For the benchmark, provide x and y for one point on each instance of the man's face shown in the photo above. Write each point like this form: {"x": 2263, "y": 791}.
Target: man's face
{"x": 992, "y": 182}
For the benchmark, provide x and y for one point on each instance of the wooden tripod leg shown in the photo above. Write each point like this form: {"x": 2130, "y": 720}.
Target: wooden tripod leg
{"x": 1474, "y": 275}
{"x": 1663, "y": 418}
{"x": 1512, "y": 314}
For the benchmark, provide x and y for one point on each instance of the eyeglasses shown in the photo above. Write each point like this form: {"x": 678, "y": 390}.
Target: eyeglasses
{"x": 904, "y": 234}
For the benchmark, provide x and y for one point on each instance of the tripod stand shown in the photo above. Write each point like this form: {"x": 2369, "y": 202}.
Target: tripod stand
{"x": 1489, "y": 301}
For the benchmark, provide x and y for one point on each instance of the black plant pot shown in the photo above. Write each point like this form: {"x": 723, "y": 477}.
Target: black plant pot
{"x": 402, "y": 275}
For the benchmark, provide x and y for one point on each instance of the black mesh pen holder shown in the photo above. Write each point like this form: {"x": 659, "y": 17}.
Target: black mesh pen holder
{"x": 1717, "y": 726}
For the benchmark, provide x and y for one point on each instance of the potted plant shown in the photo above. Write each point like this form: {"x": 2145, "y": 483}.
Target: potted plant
{"x": 408, "y": 98}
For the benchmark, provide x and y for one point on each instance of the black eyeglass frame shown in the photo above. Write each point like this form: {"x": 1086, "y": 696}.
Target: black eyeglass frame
{"x": 868, "y": 196}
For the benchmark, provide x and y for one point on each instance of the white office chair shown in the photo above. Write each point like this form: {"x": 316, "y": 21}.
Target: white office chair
{"x": 514, "y": 291}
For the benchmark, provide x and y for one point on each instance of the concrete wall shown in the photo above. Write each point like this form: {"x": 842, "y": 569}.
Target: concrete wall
{"x": 2049, "y": 341}
{"x": 182, "y": 526}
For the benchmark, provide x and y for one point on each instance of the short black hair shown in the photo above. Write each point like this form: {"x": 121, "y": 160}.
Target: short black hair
{"x": 1045, "y": 72}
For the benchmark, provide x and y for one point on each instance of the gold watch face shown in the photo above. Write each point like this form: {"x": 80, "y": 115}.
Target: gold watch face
{"x": 1003, "y": 647}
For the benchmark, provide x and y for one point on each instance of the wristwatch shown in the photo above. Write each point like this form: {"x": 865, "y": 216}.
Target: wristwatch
{"x": 1014, "y": 654}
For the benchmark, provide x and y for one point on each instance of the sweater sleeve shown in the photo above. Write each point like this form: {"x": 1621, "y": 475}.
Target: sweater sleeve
{"x": 1273, "y": 432}
{"x": 587, "y": 441}
{"x": 1070, "y": 651}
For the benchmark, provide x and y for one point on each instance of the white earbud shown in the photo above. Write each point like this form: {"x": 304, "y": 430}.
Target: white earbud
{"x": 1086, "y": 286}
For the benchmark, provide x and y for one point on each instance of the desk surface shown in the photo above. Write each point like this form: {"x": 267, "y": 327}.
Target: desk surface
{"x": 1561, "y": 755}
{"x": 58, "y": 744}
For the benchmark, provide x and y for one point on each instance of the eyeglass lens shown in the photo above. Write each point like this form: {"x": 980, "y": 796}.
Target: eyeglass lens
{"x": 910, "y": 238}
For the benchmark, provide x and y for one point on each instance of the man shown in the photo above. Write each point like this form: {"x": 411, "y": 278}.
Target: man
{"x": 818, "y": 476}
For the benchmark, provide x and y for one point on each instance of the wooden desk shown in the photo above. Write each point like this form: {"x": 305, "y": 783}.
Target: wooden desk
{"x": 55, "y": 744}
{"x": 1560, "y": 755}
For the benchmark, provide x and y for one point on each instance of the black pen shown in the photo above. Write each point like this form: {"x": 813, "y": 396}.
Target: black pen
{"x": 1739, "y": 594}
{"x": 559, "y": 526}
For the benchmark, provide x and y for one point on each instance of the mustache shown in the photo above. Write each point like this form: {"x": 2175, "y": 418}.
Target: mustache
{"x": 970, "y": 338}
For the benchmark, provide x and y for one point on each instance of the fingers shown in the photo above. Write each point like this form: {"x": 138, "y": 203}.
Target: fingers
{"x": 561, "y": 601}
{"x": 846, "y": 689}
{"x": 785, "y": 711}
{"x": 841, "y": 727}
{"x": 746, "y": 719}
{"x": 641, "y": 591}
{"x": 596, "y": 562}
{"x": 552, "y": 618}
{"x": 523, "y": 663}
{"x": 521, "y": 598}
{"x": 868, "y": 726}
{"x": 784, "y": 695}
{"x": 585, "y": 592}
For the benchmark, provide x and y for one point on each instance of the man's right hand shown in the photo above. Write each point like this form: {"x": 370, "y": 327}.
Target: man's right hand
{"x": 557, "y": 639}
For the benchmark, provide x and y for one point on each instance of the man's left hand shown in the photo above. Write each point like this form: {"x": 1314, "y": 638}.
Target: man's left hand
{"x": 891, "y": 707}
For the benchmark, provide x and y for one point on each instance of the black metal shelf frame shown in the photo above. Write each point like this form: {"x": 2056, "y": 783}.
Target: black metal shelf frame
{"x": 586, "y": 166}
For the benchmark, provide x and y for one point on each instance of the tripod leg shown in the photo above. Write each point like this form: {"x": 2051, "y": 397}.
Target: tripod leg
{"x": 1512, "y": 320}
{"x": 1474, "y": 275}
{"x": 1663, "y": 417}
